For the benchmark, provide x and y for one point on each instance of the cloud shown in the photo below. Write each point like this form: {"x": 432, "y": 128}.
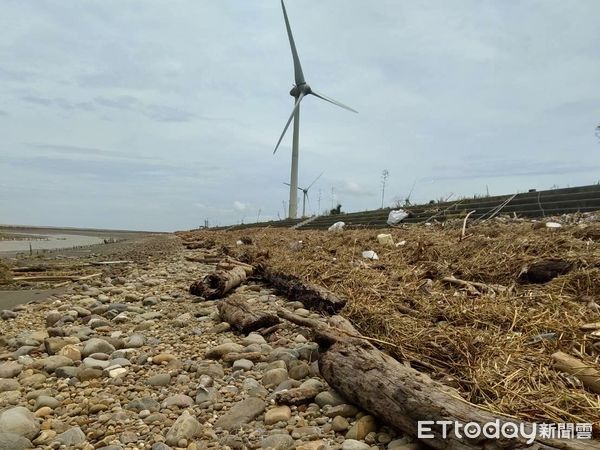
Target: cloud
{"x": 239, "y": 206}
{"x": 355, "y": 189}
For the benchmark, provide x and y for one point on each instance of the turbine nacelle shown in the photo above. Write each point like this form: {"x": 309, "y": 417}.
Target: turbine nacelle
{"x": 303, "y": 88}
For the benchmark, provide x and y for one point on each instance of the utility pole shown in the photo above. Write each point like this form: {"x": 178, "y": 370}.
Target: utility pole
{"x": 384, "y": 176}
{"x": 319, "y": 203}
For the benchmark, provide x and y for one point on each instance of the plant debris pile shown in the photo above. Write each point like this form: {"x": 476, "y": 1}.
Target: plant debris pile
{"x": 461, "y": 309}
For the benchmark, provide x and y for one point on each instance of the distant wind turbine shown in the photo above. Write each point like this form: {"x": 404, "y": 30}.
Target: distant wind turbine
{"x": 300, "y": 90}
{"x": 305, "y": 193}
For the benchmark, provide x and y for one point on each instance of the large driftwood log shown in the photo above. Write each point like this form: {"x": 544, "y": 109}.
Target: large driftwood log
{"x": 239, "y": 314}
{"x": 310, "y": 295}
{"x": 219, "y": 283}
{"x": 402, "y": 396}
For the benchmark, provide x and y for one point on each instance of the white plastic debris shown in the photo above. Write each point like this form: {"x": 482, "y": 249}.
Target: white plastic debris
{"x": 553, "y": 225}
{"x": 338, "y": 226}
{"x": 370, "y": 254}
{"x": 396, "y": 216}
{"x": 400, "y": 244}
{"x": 385, "y": 239}
{"x": 239, "y": 242}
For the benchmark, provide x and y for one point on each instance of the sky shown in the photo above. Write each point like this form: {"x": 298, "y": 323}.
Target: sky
{"x": 159, "y": 115}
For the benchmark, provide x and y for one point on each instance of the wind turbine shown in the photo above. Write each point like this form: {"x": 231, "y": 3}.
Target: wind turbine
{"x": 305, "y": 193}
{"x": 300, "y": 90}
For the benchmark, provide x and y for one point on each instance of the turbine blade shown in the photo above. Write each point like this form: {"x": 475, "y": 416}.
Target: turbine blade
{"x": 335, "y": 102}
{"x": 296, "y": 106}
{"x": 311, "y": 184}
{"x": 298, "y": 75}
{"x": 287, "y": 184}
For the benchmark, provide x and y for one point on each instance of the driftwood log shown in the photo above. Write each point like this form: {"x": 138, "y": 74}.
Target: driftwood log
{"x": 219, "y": 283}
{"x": 543, "y": 271}
{"x": 402, "y": 396}
{"x": 312, "y": 296}
{"x": 588, "y": 375}
{"x": 240, "y": 315}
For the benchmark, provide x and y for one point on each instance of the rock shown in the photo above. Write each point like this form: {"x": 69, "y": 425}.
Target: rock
{"x": 7, "y": 314}
{"x": 329, "y": 398}
{"x": 180, "y": 400}
{"x": 144, "y": 403}
{"x": 163, "y": 358}
{"x": 45, "y": 437}
{"x": 54, "y": 344}
{"x": 7, "y": 384}
{"x": 86, "y": 374}
{"x": 160, "y": 379}
{"x": 19, "y": 420}
{"x": 220, "y": 350}
{"x": 344, "y": 410}
{"x": 273, "y": 377}
{"x": 278, "y": 442}
{"x": 51, "y": 363}
{"x": 45, "y": 400}
{"x": 52, "y": 317}
{"x": 185, "y": 427}
{"x": 362, "y": 427}
{"x": 306, "y": 433}
{"x": 135, "y": 341}
{"x": 96, "y": 345}
{"x": 71, "y": 437}
{"x": 241, "y": 413}
{"x": 160, "y": 446}
{"x": 206, "y": 395}
{"x": 92, "y": 363}
{"x": 278, "y": 414}
{"x": 44, "y": 411}
{"x": 299, "y": 371}
{"x": 243, "y": 364}
{"x": 12, "y": 441}
{"x": 66, "y": 372}
{"x": 352, "y": 444}
{"x": 117, "y": 372}
{"x": 10, "y": 369}
{"x": 404, "y": 445}
{"x": 213, "y": 370}
{"x": 71, "y": 351}
{"x": 254, "y": 338}
{"x": 339, "y": 424}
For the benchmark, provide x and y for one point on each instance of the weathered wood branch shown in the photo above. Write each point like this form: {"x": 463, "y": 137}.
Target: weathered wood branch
{"x": 239, "y": 314}
{"x": 312, "y": 296}
{"x": 494, "y": 288}
{"x": 588, "y": 375}
{"x": 401, "y": 396}
{"x": 219, "y": 283}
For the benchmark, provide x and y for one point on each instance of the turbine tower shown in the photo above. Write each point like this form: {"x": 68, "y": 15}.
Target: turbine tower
{"x": 300, "y": 90}
{"x": 305, "y": 193}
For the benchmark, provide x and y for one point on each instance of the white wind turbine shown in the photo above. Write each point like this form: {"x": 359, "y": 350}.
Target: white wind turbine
{"x": 305, "y": 193}
{"x": 300, "y": 90}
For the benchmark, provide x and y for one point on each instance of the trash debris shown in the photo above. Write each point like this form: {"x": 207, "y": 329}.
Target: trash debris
{"x": 553, "y": 225}
{"x": 338, "y": 226}
{"x": 542, "y": 337}
{"x": 400, "y": 244}
{"x": 396, "y": 216}
{"x": 370, "y": 254}
{"x": 385, "y": 239}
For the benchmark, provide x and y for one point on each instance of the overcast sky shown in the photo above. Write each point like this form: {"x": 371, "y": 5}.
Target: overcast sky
{"x": 158, "y": 115}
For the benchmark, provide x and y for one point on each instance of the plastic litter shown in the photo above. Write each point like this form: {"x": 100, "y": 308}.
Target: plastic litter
{"x": 553, "y": 225}
{"x": 370, "y": 254}
{"x": 338, "y": 226}
{"x": 385, "y": 239}
{"x": 396, "y": 216}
